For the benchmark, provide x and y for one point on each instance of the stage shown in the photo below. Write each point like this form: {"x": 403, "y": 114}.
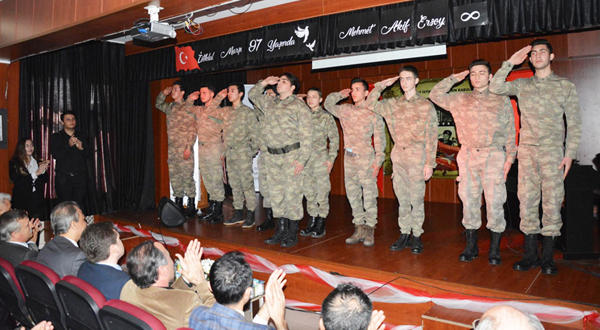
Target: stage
{"x": 436, "y": 271}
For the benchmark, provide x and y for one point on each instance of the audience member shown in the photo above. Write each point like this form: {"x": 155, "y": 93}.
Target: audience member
{"x": 29, "y": 175}
{"x": 507, "y": 318}
{"x": 103, "y": 248}
{"x": 347, "y": 307}
{"x": 17, "y": 237}
{"x": 5, "y": 204}
{"x": 231, "y": 283}
{"x": 62, "y": 254}
{"x": 151, "y": 269}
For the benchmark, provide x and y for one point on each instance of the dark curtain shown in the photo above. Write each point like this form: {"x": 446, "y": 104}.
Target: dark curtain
{"x": 88, "y": 79}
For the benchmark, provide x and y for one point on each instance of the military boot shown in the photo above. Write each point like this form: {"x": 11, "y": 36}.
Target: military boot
{"x": 191, "y": 209}
{"x": 494, "y": 255}
{"x": 312, "y": 222}
{"x": 208, "y": 212}
{"x": 217, "y": 215}
{"x": 280, "y": 233}
{"x": 358, "y": 236}
{"x": 417, "y": 246}
{"x": 319, "y": 230}
{"x": 402, "y": 242}
{"x": 471, "y": 250}
{"x": 179, "y": 202}
{"x": 268, "y": 223}
{"x": 249, "y": 222}
{"x": 238, "y": 217}
{"x": 530, "y": 259}
{"x": 291, "y": 238}
{"x": 548, "y": 266}
{"x": 369, "y": 236}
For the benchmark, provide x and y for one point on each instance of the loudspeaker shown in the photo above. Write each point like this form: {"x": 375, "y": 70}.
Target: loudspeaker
{"x": 169, "y": 213}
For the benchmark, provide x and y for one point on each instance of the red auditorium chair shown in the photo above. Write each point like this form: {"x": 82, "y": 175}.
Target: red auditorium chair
{"x": 37, "y": 282}
{"x": 11, "y": 294}
{"x": 81, "y": 303}
{"x": 119, "y": 315}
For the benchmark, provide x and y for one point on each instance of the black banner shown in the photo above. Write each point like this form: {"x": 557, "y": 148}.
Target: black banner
{"x": 207, "y": 55}
{"x": 356, "y": 32}
{"x": 431, "y": 18}
{"x": 474, "y": 14}
{"x": 233, "y": 51}
{"x": 291, "y": 41}
{"x": 396, "y": 24}
{"x": 255, "y": 46}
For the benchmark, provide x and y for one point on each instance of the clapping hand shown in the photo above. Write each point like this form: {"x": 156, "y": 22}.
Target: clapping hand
{"x": 191, "y": 264}
{"x": 275, "y": 299}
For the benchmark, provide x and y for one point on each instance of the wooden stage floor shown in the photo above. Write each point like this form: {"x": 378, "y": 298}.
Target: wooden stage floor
{"x": 438, "y": 264}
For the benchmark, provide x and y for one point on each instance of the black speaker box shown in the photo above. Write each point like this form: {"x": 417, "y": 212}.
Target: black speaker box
{"x": 169, "y": 214}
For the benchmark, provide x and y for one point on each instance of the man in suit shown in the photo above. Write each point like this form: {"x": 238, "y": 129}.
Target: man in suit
{"x": 17, "y": 237}
{"x": 151, "y": 269}
{"x": 5, "y": 204}
{"x": 62, "y": 254}
{"x": 231, "y": 283}
{"x": 103, "y": 248}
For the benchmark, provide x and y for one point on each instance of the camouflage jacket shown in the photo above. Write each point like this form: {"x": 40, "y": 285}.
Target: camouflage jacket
{"x": 209, "y": 128}
{"x": 286, "y": 122}
{"x": 543, "y": 103}
{"x": 482, "y": 119}
{"x": 411, "y": 122}
{"x": 358, "y": 126}
{"x": 181, "y": 124}
{"x": 239, "y": 124}
{"x": 324, "y": 127}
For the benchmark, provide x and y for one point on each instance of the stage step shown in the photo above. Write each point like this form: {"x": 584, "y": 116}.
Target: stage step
{"x": 440, "y": 318}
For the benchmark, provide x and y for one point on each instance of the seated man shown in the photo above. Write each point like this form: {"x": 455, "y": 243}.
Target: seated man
{"x": 151, "y": 269}
{"x": 103, "y": 248}
{"x": 5, "y": 204}
{"x": 231, "y": 283}
{"x": 17, "y": 237}
{"x": 505, "y": 318}
{"x": 347, "y": 307}
{"x": 62, "y": 254}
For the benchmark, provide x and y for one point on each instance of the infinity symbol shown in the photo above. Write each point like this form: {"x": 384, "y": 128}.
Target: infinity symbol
{"x": 467, "y": 16}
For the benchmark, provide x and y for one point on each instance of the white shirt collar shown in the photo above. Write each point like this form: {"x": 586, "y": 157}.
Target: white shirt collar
{"x": 72, "y": 241}
{"x": 115, "y": 266}
{"x": 19, "y": 243}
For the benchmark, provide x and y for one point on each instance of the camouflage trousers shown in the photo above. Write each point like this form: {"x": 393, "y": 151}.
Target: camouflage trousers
{"x": 361, "y": 188}
{"x": 540, "y": 176}
{"x": 285, "y": 188}
{"x": 316, "y": 185}
{"x": 241, "y": 180}
{"x": 211, "y": 170}
{"x": 262, "y": 179}
{"x": 181, "y": 173}
{"x": 482, "y": 168}
{"x": 409, "y": 187}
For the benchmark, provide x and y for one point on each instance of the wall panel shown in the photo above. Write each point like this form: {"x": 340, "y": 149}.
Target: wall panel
{"x": 24, "y": 19}
{"x": 43, "y": 13}
{"x": 87, "y": 8}
{"x": 8, "y": 9}
{"x": 64, "y": 13}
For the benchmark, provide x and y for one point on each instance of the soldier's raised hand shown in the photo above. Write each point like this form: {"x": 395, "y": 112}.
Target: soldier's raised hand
{"x": 346, "y": 92}
{"x": 194, "y": 96}
{"x": 461, "y": 75}
{"x": 271, "y": 80}
{"x": 390, "y": 81}
{"x": 167, "y": 90}
{"x": 223, "y": 93}
{"x": 519, "y": 56}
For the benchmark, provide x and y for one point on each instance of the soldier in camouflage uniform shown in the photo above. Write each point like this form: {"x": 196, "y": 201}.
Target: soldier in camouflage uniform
{"x": 210, "y": 151}
{"x": 486, "y": 127}
{"x": 181, "y": 132}
{"x": 239, "y": 135}
{"x": 361, "y": 161}
{"x": 412, "y": 122}
{"x": 544, "y": 100}
{"x": 288, "y": 138}
{"x": 316, "y": 183}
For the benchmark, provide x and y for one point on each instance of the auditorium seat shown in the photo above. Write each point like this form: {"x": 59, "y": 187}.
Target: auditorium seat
{"x": 119, "y": 315}
{"x": 81, "y": 303}
{"x": 11, "y": 294}
{"x": 37, "y": 282}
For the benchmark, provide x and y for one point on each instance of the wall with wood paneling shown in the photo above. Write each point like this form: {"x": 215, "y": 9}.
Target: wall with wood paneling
{"x": 9, "y": 99}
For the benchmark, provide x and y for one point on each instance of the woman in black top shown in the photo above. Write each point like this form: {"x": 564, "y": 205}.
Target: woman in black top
{"x": 28, "y": 175}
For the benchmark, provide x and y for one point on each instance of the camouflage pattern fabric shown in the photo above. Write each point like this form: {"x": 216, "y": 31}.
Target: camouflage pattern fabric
{"x": 262, "y": 167}
{"x": 358, "y": 126}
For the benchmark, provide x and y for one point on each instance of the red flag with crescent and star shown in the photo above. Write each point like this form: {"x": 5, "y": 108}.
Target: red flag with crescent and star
{"x": 185, "y": 58}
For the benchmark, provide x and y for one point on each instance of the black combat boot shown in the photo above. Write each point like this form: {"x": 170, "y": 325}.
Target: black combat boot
{"x": 191, "y": 209}
{"x": 530, "y": 259}
{"x": 280, "y": 233}
{"x": 417, "y": 246}
{"x": 249, "y": 222}
{"x": 268, "y": 223}
{"x": 217, "y": 215}
{"x": 319, "y": 230}
{"x": 471, "y": 250}
{"x": 548, "y": 266}
{"x": 401, "y": 242}
{"x": 291, "y": 238}
{"x": 494, "y": 255}
{"x": 208, "y": 212}
{"x": 238, "y": 217}
{"x": 312, "y": 222}
{"x": 179, "y": 202}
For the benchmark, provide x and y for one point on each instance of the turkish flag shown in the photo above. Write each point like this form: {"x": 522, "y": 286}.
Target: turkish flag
{"x": 185, "y": 58}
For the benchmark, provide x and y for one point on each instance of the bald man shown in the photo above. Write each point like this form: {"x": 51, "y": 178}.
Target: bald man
{"x": 508, "y": 318}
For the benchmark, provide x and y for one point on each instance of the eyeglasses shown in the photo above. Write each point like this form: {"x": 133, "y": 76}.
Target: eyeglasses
{"x": 476, "y": 323}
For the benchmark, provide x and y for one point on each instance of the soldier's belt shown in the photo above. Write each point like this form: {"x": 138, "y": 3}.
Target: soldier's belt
{"x": 284, "y": 150}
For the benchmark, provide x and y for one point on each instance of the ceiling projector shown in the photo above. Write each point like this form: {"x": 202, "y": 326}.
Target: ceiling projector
{"x": 153, "y": 31}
